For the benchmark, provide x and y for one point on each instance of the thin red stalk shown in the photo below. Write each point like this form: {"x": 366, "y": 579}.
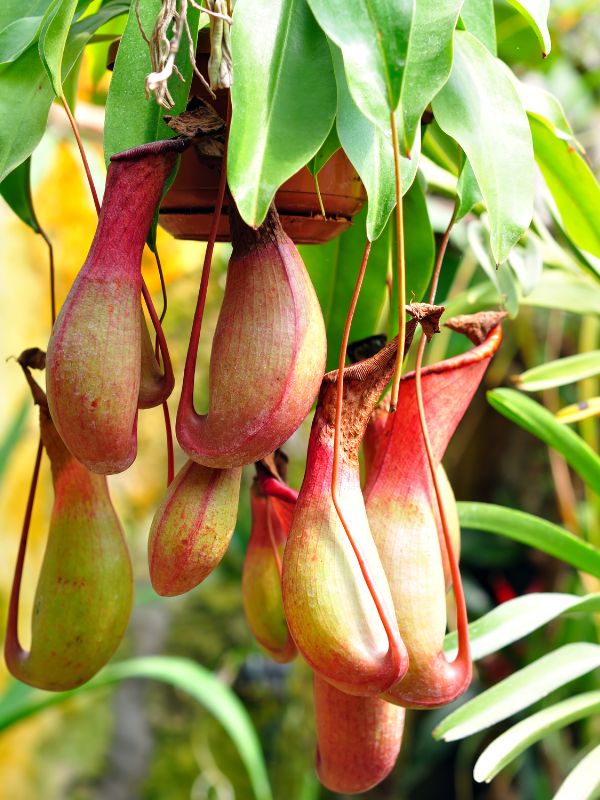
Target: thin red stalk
{"x": 337, "y": 434}
{"x": 161, "y": 345}
{"x": 272, "y": 538}
{"x": 86, "y": 165}
{"x": 163, "y": 287}
{"x": 169, "y": 435}
{"x": 189, "y": 372}
{"x": 44, "y": 236}
{"x": 160, "y": 336}
{"x": 12, "y": 647}
{"x": 464, "y": 650}
{"x": 401, "y": 266}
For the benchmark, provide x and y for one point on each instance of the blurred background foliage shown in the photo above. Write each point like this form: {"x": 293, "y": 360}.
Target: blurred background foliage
{"x": 149, "y": 740}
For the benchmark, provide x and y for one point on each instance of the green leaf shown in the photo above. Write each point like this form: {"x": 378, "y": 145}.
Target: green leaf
{"x": 520, "y": 690}
{"x": 373, "y": 37}
{"x": 560, "y": 372}
{"x": 503, "y": 750}
{"x": 536, "y": 14}
{"x": 532, "y": 532}
{"x": 545, "y": 107}
{"x": 572, "y": 185}
{"x": 53, "y": 39}
{"x": 16, "y": 37}
{"x": 428, "y": 61}
{"x": 478, "y": 18}
{"x": 514, "y": 619}
{"x": 583, "y": 782}
{"x": 333, "y": 268}
{"x": 330, "y": 146}
{"x": 283, "y": 99}
{"x": 131, "y": 119}
{"x": 27, "y": 93}
{"x": 536, "y": 419}
{"x": 182, "y": 673}
{"x": 565, "y": 291}
{"x": 480, "y": 108}
{"x": 370, "y": 150}
{"x": 12, "y": 436}
{"x": 527, "y": 263}
{"x": 467, "y": 190}
{"x": 502, "y": 277}
{"x": 476, "y": 298}
{"x": 16, "y": 190}
{"x": 13, "y": 10}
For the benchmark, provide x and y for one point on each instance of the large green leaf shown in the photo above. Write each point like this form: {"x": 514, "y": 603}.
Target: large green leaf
{"x": 480, "y": 108}
{"x": 428, "y": 61}
{"x": 283, "y": 99}
{"x": 571, "y": 183}
{"x": 536, "y": 419}
{"x": 53, "y": 39}
{"x": 565, "y": 291}
{"x": 583, "y": 782}
{"x": 478, "y": 18}
{"x": 17, "y": 36}
{"x": 370, "y": 150}
{"x": 16, "y": 190}
{"x": 467, "y": 191}
{"x": 546, "y": 107}
{"x": 536, "y": 13}
{"x": 12, "y": 435}
{"x": 131, "y": 118}
{"x": 560, "y": 372}
{"x": 503, "y": 750}
{"x": 520, "y": 690}
{"x": 531, "y": 531}
{"x": 27, "y": 93}
{"x": 182, "y": 673}
{"x": 373, "y": 37}
{"x": 330, "y": 146}
{"x": 333, "y": 268}
{"x": 502, "y": 276}
{"x": 514, "y": 619}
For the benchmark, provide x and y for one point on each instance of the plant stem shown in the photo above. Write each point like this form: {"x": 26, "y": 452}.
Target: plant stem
{"x": 13, "y": 652}
{"x": 320, "y": 197}
{"x": 84, "y": 160}
{"x": 459, "y": 597}
{"x": 169, "y": 436}
{"x": 189, "y": 371}
{"x": 337, "y": 435}
{"x": 45, "y": 237}
{"x": 401, "y": 266}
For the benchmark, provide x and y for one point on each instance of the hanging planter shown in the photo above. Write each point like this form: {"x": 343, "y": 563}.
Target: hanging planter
{"x": 188, "y": 207}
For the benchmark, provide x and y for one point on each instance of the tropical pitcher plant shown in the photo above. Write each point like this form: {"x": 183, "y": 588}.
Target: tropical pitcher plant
{"x": 355, "y": 571}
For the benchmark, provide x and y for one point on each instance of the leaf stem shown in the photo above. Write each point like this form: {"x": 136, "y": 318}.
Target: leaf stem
{"x": 394, "y": 649}
{"x": 46, "y": 238}
{"x": 464, "y": 649}
{"x": 401, "y": 266}
{"x": 84, "y": 160}
{"x": 189, "y": 371}
{"x": 13, "y": 652}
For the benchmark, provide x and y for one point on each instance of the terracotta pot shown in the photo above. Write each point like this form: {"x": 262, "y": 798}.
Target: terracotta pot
{"x": 187, "y": 209}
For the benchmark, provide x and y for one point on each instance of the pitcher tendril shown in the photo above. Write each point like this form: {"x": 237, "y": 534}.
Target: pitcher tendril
{"x": 401, "y": 266}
